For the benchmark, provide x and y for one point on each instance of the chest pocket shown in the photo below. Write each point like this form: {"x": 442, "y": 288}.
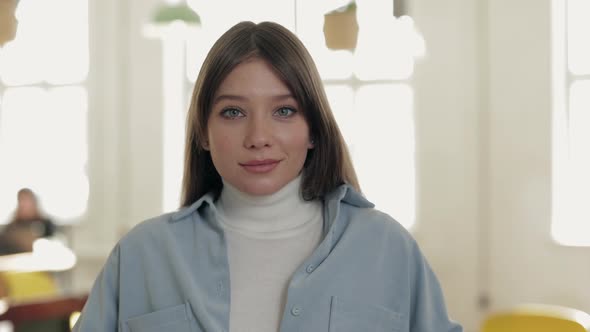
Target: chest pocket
{"x": 177, "y": 318}
{"x": 348, "y": 316}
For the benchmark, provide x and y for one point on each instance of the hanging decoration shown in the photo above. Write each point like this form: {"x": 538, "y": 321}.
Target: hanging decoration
{"x": 168, "y": 13}
{"x": 8, "y": 22}
{"x": 341, "y": 28}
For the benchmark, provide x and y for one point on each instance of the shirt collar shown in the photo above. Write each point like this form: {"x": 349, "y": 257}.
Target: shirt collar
{"x": 347, "y": 194}
{"x": 185, "y": 211}
{"x": 343, "y": 193}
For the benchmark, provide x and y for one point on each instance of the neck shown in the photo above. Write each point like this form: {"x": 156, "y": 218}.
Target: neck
{"x": 282, "y": 211}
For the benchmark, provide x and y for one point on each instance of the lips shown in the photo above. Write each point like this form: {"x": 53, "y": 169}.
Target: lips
{"x": 260, "y": 166}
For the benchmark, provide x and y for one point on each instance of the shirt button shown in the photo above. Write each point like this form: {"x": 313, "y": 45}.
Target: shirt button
{"x": 309, "y": 268}
{"x": 296, "y": 311}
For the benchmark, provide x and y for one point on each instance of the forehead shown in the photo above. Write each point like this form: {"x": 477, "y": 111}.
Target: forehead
{"x": 254, "y": 77}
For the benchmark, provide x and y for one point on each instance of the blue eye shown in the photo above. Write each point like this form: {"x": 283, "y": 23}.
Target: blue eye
{"x": 232, "y": 113}
{"x": 285, "y": 112}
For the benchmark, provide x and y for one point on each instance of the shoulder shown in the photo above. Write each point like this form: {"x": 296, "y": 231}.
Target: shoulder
{"x": 156, "y": 227}
{"x": 147, "y": 230}
{"x": 152, "y": 224}
{"x": 363, "y": 221}
{"x": 379, "y": 225}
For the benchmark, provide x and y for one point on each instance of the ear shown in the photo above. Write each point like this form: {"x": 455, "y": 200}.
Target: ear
{"x": 205, "y": 145}
{"x": 311, "y": 144}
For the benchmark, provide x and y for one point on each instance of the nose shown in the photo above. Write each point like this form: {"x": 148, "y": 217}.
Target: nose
{"x": 258, "y": 133}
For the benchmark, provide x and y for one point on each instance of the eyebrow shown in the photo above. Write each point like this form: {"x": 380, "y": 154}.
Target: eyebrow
{"x": 231, "y": 97}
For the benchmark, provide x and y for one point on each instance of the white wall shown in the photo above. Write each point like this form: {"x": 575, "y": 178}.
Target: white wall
{"x": 484, "y": 153}
{"x": 526, "y": 265}
{"x": 483, "y": 149}
{"x": 447, "y": 83}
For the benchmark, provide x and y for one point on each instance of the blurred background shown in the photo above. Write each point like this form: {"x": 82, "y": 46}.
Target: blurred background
{"x": 468, "y": 122}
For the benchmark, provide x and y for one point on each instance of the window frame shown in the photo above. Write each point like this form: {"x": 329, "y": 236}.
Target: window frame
{"x": 563, "y": 80}
{"x": 46, "y": 86}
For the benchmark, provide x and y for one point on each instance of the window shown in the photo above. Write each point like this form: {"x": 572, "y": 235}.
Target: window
{"x": 369, "y": 90}
{"x": 43, "y": 108}
{"x": 571, "y": 122}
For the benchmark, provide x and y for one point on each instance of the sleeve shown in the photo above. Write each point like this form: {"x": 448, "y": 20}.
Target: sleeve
{"x": 429, "y": 312}
{"x": 100, "y": 313}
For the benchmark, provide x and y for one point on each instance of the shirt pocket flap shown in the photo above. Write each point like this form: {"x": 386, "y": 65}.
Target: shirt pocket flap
{"x": 348, "y": 316}
{"x": 175, "y": 318}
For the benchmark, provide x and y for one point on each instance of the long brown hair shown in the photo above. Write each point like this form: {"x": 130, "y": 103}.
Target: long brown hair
{"x": 327, "y": 165}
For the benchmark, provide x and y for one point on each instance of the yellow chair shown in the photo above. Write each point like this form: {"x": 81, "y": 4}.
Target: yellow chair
{"x": 23, "y": 286}
{"x": 537, "y": 318}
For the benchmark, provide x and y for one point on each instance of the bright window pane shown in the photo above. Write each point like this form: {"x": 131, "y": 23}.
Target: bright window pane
{"x": 216, "y": 14}
{"x": 578, "y": 36}
{"x": 579, "y": 123}
{"x": 310, "y": 26}
{"x": 43, "y": 145}
{"x": 174, "y": 114}
{"x": 573, "y": 188}
{"x": 341, "y": 100}
{"x": 385, "y": 149}
{"x": 332, "y": 64}
{"x": 198, "y": 45}
{"x": 51, "y": 44}
{"x": 386, "y": 45}
{"x": 216, "y": 19}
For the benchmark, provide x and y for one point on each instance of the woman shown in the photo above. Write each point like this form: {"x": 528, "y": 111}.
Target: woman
{"x": 27, "y": 225}
{"x": 270, "y": 195}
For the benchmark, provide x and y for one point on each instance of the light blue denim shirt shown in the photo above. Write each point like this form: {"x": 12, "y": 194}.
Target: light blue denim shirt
{"x": 171, "y": 273}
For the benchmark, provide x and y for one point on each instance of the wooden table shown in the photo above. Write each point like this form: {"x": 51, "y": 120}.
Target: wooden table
{"x": 56, "y": 310}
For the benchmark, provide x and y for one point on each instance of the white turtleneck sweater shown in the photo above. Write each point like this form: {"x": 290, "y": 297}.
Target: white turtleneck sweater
{"x": 268, "y": 238}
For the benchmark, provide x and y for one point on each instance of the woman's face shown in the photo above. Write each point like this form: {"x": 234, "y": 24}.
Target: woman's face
{"x": 257, "y": 134}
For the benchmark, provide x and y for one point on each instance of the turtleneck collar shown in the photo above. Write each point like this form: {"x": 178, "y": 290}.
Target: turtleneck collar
{"x": 278, "y": 214}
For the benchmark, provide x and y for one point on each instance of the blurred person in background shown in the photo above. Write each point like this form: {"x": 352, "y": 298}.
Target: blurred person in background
{"x": 27, "y": 225}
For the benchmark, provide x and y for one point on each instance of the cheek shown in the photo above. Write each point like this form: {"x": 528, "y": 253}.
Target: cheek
{"x": 217, "y": 136}
{"x": 296, "y": 139}
{"x": 222, "y": 148}
{"x": 222, "y": 142}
